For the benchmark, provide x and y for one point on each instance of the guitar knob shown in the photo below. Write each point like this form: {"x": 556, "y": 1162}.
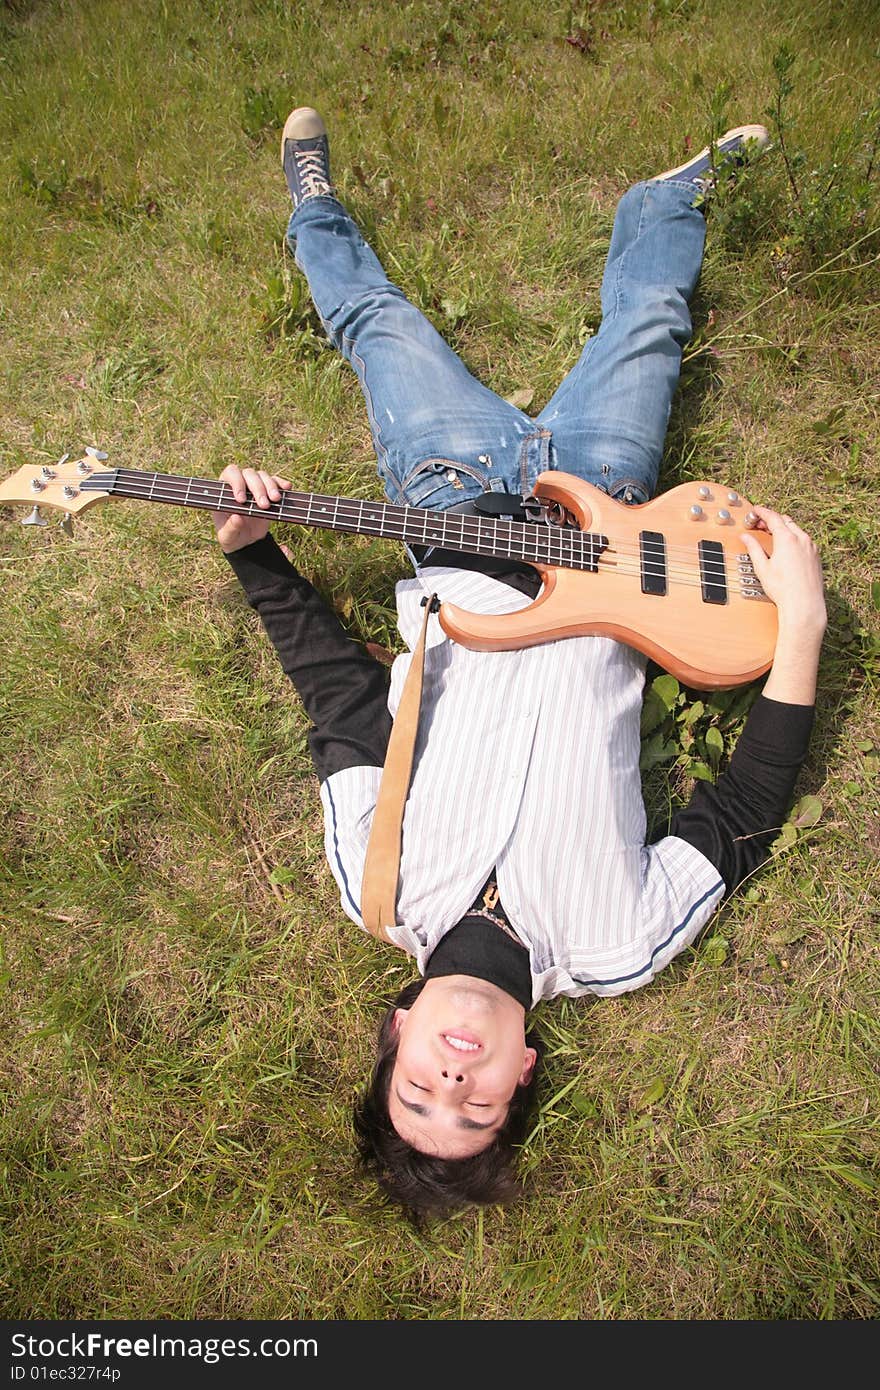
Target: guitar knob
{"x": 68, "y": 490}
{"x": 47, "y": 472}
{"x": 83, "y": 467}
{"x": 37, "y": 485}
{"x": 723, "y": 516}
{"x": 695, "y": 513}
{"x": 733, "y": 498}
{"x": 704, "y": 493}
{"x": 750, "y": 519}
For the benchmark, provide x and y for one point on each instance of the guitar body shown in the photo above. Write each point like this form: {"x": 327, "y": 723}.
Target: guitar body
{"x": 709, "y": 644}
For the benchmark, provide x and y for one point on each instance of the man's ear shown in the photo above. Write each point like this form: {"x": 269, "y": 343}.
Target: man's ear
{"x": 397, "y": 1020}
{"x": 525, "y": 1075}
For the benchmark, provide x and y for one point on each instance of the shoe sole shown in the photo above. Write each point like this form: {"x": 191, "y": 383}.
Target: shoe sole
{"x": 744, "y": 132}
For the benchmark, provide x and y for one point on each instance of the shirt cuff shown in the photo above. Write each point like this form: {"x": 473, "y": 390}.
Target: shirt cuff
{"x": 260, "y": 564}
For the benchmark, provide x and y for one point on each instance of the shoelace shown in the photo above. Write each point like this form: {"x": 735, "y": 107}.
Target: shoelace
{"x": 312, "y": 174}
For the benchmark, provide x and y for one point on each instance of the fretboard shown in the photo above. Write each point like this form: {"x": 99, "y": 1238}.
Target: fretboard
{"x": 533, "y": 542}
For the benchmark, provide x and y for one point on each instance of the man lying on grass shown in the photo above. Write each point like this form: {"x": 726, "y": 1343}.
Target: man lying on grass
{"x": 524, "y": 872}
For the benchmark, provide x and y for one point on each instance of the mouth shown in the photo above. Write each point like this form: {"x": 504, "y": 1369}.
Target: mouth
{"x": 461, "y": 1041}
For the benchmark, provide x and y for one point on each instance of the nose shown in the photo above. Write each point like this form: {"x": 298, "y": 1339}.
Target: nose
{"x": 452, "y": 1077}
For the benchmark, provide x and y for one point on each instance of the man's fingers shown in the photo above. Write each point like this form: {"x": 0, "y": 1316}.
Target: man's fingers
{"x": 779, "y": 521}
{"x": 772, "y": 520}
{"x": 757, "y": 554}
{"x": 258, "y": 486}
{"x": 233, "y": 478}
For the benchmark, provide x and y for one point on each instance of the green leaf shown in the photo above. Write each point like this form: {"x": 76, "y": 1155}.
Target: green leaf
{"x": 653, "y": 713}
{"x": 667, "y": 689}
{"x": 583, "y": 1105}
{"x": 654, "y": 1091}
{"x": 694, "y": 712}
{"x": 279, "y": 876}
{"x": 808, "y": 811}
{"x": 787, "y": 936}
{"x": 701, "y": 772}
{"x": 830, "y": 421}
{"x": 855, "y": 1176}
{"x": 864, "y": 745}
{"x": 656, "y": 750}
{"x": 875, "y": 595}
{"x": 454, "y": 309}
{"x": 714, "y": 744}
{"x": 785, "y": 839}
{"x": 715, "y": 950}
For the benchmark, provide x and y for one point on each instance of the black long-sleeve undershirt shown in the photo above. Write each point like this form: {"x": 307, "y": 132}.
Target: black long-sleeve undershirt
{"x": 344, "y": 691}
{"x": 732, "y": 822}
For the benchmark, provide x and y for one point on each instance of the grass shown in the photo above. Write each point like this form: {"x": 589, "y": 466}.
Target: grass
{"x": 186, "y": 1012}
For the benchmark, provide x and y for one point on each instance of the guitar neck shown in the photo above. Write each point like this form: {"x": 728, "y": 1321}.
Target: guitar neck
{"x": 534, "y": 543}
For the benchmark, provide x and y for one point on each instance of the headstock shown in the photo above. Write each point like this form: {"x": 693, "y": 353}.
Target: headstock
{"x": 55, "y": 485}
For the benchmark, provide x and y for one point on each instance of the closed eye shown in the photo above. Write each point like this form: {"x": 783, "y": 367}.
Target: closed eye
{"x": 475, "y": 1104}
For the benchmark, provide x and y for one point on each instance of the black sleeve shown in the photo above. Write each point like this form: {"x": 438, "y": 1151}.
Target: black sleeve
{"x": 343, "y": 689}
{"x": 734, "y": 821}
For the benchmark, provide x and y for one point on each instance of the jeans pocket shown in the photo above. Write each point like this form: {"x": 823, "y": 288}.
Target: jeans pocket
{"x": 440, "y": 483}
{"x": 628, "y": 490}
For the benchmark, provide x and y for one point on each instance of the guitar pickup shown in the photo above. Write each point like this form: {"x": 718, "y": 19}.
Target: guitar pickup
{"x": 652, "y": 555}
{"x": 713, "y": 577}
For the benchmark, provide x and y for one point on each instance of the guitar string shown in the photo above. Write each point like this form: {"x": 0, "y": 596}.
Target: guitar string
{"x": 566, "y": 539}
{"x": 709, "y": 570}
{"x": 340, "y": 504}
{"x": 130, "y": 477}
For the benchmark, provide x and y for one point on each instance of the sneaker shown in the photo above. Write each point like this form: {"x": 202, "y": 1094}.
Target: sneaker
{"x": 729, "y": 153}
{"x": 305, "y": 155}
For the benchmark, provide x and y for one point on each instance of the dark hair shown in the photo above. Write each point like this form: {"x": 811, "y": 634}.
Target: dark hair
{"x": 423, "y": 1184}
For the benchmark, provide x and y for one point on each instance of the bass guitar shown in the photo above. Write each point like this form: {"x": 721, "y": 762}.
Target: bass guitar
{"x": 669, "y": 577}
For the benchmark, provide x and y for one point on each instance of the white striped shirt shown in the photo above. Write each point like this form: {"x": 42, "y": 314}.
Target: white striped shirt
{"x": 526, "y": 763}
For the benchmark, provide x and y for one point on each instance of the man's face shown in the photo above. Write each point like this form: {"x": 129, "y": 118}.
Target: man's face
{"x": 461, "y": 1055}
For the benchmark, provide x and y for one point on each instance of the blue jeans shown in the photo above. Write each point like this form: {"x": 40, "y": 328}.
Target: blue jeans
{"x": 442, "y": 437}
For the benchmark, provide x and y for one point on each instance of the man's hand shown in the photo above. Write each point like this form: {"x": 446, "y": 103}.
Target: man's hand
{"x": 792, "y": 578}
{"x": 235, "y": 532}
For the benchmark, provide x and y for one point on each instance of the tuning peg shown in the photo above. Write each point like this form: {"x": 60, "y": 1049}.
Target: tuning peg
{"x": 34, "y": 519}
{"x": 63, "y": 459}
{"x": 97, "y": 454}
{"x": 66, "y": 524}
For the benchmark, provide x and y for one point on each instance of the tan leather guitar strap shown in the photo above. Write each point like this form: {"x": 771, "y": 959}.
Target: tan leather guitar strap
{"x": 382, "y": 863}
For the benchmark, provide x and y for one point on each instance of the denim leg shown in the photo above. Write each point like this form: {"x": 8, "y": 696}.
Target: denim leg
{"x": 609, "y": 416}
{"x": 426, "y": 410}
